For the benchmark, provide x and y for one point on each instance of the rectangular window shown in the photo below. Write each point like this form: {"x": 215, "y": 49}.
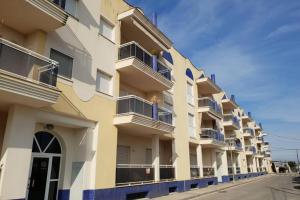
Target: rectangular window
{"x": 190, "y": 93}
{"x": 123, "y": 154}
{"x": 104, "y": 83}
{"x": 71, "y": 7}
{"x": 65, "y": 63}
{"x": 148, "y": 158}
{"x": 106, "y": 29}
{"x": 191, "y": 124}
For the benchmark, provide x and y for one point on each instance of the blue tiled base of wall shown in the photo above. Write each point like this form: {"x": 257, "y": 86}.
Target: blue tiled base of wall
{"x": 148, "y": 190}
{"x": 229, "y": 178}
{"x": 63, "y": 195}
{"x": 154, "y": 189}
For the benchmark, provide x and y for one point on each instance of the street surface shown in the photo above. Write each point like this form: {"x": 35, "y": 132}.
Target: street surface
{"x": 270, "y": 187}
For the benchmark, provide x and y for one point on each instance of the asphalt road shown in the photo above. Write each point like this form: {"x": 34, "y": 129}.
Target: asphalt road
{"x": 275, "y": 187}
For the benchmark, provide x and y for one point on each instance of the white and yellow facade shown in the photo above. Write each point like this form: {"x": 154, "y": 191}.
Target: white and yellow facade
{"x": 96, "y": 103}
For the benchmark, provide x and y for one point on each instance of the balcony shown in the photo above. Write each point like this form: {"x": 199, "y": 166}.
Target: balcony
{"x": 138, "y": 116}
{"x": 246, "y": 118}
{"x": 211, "y": 138}
{"x": 209, "y": 107}
{"x": 259, "y": 140}
{"x": 208, "y": 171}
{"x": 130, "y": 174}
{"x": 248, "y": 132}
{"x": 233, "y": 144}
{"x": 166, "y": 172}
{"x": 229, "y": 104}
{"x": 250, "y": 150}
{"x": 231, "y": 122}
{"x": 195, "y": 171}
{"x": 136, "y": 26}
{"x": 136, "y": 69}
{"x": 257, "y": 127}
{"x": 27, "y": 16}
{"x": 26, "y": 78}
{"x": 260, "y": 154}
{"x": 207, "y": 87}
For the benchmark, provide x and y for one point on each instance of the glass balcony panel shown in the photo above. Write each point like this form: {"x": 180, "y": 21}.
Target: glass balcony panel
{"x": 130, "y": 104}
{"x": 208, "y": 102}
{"x": 164, "y": 71}
{"x": 126, "y": 51}
{"x": 126, "y": 174}
{"x": 166, "y": 172}
{"x": 23, "y": 62}
{"x": 165, "y": 116}
{"x": 211, "y": 134}
{"x": 195, "y": 171}
{"x": 208, "y": 171}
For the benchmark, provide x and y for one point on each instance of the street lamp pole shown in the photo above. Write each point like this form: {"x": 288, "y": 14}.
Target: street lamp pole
{"x": 298, "y": 161}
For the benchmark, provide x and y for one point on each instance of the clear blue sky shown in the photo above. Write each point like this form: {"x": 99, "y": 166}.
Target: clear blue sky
{"x": 253, "y": 47}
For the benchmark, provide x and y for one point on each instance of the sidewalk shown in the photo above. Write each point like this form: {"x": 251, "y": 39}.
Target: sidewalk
{"x": 210, "y": 189}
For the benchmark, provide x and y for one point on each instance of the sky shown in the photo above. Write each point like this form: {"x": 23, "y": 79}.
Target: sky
{"x": 253, "y": 47}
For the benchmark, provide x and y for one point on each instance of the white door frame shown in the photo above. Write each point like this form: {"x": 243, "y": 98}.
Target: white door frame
{"x": 50, "y": 157}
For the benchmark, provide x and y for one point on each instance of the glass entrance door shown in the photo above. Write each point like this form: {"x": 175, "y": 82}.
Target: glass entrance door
{"x": 38, "y": 179}
{"x": 45, "y": 167}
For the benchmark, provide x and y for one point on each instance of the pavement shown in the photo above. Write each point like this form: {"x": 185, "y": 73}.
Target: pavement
{"x": 269, "y": 187}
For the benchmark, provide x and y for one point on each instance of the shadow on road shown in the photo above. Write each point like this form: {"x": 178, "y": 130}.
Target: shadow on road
{"x": 296, "y": 179}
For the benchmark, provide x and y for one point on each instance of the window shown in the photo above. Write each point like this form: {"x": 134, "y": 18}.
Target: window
{"x": 65, "y": 63}
{"x": 148, "y": 157}
{"x": 191, "y": 124}
{"x": 106, "y": 29}
{"x": 190, "y": 93}
{"x": 104, "y": 83}
{"x": 68, "y": 5}
{"x": 123, "y": 154}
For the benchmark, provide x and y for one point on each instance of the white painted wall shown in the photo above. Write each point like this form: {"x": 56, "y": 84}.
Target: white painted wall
{"x": 80, "y": 39}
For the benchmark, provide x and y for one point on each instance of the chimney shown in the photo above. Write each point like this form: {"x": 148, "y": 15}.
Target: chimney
{"x": 154, "y": 19}
{"x": 232, "y": 97}
{"x": 249, "y": 114}
{"x": 213, "y": 78}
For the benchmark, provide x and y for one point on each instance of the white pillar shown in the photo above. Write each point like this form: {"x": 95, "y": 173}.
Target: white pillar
{"x": 16, "y": 153}
{"x": 199, "y": 159}
{"x": 234, "y": 160}
{"x": 155, "y": 156}
{"x": 224, "y": 164}
{"x": 174, "y": 158}
{"x": 254, "y": 164}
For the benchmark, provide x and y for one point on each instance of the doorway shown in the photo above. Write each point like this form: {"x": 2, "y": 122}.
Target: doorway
{"x": 45, "y": 167}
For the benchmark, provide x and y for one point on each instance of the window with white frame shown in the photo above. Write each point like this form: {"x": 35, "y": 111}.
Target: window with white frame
{"x": 104, "y": 83}
{"x": 190, "y": 93}
{"x": 106, "y": 29}
{"x": 191, "y": 125}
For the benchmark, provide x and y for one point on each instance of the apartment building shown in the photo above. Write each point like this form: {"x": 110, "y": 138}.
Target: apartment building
{"x": 97, "y": 103}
